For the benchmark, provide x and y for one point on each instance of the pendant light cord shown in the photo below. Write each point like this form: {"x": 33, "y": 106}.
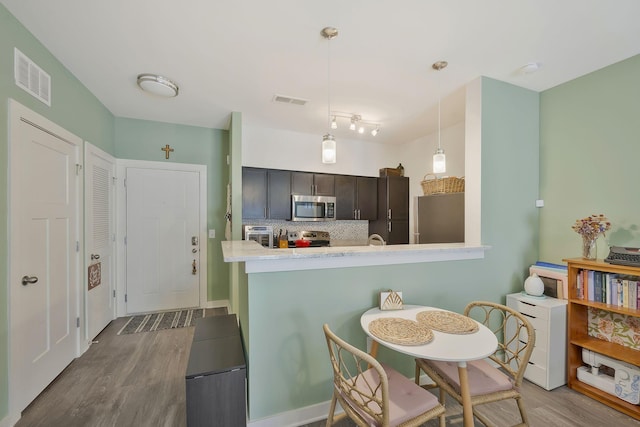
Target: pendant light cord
{"x": 329, "y": 85}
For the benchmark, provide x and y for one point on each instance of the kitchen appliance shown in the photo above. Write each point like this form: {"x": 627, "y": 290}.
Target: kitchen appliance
{"x": 439, "y": 218}
{"x": 621, "y": 380}
{"x": 313, "y": 208}
{"x": 303, "y": 239}
{"x": 262, "y": 234}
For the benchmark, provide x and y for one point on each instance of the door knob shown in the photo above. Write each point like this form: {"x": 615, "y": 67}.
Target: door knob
{"x": 95, "y": 256}
{"x": 26, "y": 280}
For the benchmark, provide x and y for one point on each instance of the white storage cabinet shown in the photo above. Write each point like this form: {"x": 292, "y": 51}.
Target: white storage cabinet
{"x": 547, "y": 366}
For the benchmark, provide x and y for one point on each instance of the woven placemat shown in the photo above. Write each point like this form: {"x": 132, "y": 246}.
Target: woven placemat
{"x": 400, "y": 331}
{"x": 446, "y": 321}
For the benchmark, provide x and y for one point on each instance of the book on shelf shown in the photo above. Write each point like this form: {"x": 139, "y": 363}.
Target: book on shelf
{"x": 608, "y": 288}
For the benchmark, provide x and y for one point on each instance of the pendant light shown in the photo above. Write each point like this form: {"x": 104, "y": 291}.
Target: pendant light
{"x": 439, "y": 159}
{"x": 328, "y": 141}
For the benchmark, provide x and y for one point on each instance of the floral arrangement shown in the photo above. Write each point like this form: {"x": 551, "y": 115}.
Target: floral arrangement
{"x": 591, "y": 226}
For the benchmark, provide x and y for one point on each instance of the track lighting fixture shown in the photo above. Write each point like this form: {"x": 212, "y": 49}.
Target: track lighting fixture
{"x": 356, "y": 123}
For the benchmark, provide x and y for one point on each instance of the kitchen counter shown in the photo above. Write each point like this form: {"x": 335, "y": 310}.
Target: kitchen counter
{"x": 259, "y": 259}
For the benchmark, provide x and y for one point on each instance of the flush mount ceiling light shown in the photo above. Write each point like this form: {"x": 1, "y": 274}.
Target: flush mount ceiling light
{"x": 439, "y": 160}
{"x": 328, "y": 141}
{"x": 530, "y": 68}
{"x": 157, "y": 85}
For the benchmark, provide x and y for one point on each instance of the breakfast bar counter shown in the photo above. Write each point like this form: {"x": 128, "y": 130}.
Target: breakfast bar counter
{"x": 260, "y": 259}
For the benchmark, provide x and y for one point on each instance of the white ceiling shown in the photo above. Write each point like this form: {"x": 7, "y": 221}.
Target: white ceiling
{"x": 235, "y": 55}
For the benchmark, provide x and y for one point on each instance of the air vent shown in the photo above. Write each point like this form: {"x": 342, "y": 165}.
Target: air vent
{"x": 31, "y": 78}
{"x": 289, "y": 100}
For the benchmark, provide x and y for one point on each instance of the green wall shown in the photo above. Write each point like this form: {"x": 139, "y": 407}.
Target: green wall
{"x": 143, "y": 140}
{"x": 589, "y": 149}
{"x": 288, "y": 362}
{"x": 72, "y": 106}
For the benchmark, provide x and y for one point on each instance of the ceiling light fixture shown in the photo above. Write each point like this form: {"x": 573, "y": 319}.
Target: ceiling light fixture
{"x": 328, "y": 141}
{"x": 439, "y": 159}
{"x": 355, "y": 122}
{"x": 157, "y": 85}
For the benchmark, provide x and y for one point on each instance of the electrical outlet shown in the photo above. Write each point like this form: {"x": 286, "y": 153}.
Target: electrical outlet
{"x": 212, "y": 233}
{"x": 539, "y": 203}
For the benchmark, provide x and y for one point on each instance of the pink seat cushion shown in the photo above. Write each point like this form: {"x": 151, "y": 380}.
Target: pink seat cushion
{"x": 406, "y": 399}
{"x": 483, "y": 378}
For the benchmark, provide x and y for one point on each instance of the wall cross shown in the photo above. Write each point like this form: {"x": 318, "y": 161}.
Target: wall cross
{"x": 167, "y": 149}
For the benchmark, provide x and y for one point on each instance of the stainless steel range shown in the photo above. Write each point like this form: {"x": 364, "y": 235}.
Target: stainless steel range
{"x": 308, "y": 238}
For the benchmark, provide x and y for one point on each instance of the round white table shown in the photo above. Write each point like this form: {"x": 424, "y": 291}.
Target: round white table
{"x": 459, "y": 348}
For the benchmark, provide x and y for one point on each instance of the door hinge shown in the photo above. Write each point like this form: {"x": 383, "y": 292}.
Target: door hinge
{"x": 78, "y": 168}
{"x": 114, "y": 180}
{"x": 124, "y": 182}
{"x": 125, "y": 297}
{"x": 77, "y": 246}
{"x": 77, "y": 322}
{"x": 125, "y": 240}
{"x": 114, "y": 293}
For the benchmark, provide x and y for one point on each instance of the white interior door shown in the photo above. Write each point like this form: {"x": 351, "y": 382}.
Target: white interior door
{"x": 163, "y": 239}
{"x": 99, "y": 240}
{"x": 44, "y": 244}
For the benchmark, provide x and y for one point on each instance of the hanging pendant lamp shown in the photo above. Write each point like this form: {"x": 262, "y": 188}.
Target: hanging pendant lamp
{"x": 328, "y": 140}
{"x": 439, "y": 159}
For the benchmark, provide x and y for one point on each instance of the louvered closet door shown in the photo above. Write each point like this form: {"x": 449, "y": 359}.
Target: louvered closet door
{"x": 99, "y": 258}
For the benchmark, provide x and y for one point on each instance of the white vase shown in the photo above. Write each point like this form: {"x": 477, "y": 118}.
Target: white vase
{"x": 533, "y": 285}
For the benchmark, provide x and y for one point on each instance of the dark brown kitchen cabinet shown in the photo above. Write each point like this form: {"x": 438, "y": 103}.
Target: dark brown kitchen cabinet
{"x": 316, "y": 184}
{"x": 266, "y": 194}
{"x": 356, "y": 197}
{"x": 254, "y": 193}
{"x": 279, "y": 194}
{"x": 393, "y": 210}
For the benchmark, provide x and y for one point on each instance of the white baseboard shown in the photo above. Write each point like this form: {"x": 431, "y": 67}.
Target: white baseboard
{"x": 306, "y": 415}
{"x": 224, "y": 303}
{"x": 9, "y": 420}
{"x": 297, "y": 417}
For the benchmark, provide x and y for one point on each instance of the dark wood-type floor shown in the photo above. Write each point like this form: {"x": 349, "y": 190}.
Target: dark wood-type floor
{"x": 138, "y": 380}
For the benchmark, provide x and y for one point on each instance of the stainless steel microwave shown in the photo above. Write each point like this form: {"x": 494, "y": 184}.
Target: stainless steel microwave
{"x": 313, "y": 208}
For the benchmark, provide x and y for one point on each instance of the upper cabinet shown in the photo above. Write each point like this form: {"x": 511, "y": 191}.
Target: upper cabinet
{"x": 279, "y": 194}
{"x": 266, "y": 193}
{"x": 316, "y": 184}
{"x": 356, "y": 197}
{"x": 254, "y": 193}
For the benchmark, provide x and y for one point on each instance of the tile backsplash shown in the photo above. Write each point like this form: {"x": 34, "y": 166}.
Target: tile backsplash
{"x": 352, "y": 230}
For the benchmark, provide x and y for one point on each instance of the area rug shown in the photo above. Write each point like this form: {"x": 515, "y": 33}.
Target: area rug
{"x": 161, "y": 320}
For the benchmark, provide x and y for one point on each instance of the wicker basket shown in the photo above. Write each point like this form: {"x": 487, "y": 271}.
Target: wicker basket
{"x": 435, "y": 185}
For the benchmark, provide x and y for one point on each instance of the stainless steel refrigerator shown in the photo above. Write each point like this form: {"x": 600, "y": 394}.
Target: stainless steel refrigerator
{"x": 439, "y": 218}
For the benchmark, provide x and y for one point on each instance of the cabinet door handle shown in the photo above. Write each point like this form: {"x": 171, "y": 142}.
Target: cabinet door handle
{"x": 389, "y": 214}
{"x": 389, "y": 227}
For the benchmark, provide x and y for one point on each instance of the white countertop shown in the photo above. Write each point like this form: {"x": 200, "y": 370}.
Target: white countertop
{"x": 259, "y": 259}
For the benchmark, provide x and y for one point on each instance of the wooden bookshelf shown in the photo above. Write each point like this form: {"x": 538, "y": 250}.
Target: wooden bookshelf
{"x": 578, "y": 337}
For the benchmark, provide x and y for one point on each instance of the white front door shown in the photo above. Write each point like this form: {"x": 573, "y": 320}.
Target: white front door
{"x": 99, "y": 240}
{"x": 163, "y": 239}
{"x": 44, "y": 189}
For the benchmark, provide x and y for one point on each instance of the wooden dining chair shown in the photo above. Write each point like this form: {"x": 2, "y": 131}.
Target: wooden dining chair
{"x": 500, "y": 376}
{"x": 373, "y": 394}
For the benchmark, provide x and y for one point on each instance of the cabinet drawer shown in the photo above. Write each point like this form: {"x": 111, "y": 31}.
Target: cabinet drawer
{"x": 536, "y": 374}
{"x": 530, "y": 309}
{"x": 539, "y": 357}
{"x": 540, "y": 326}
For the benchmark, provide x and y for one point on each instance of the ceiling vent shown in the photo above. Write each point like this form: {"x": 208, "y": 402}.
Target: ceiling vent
{"x": 31, "y": 78}
{"x": 289, "y": 100}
